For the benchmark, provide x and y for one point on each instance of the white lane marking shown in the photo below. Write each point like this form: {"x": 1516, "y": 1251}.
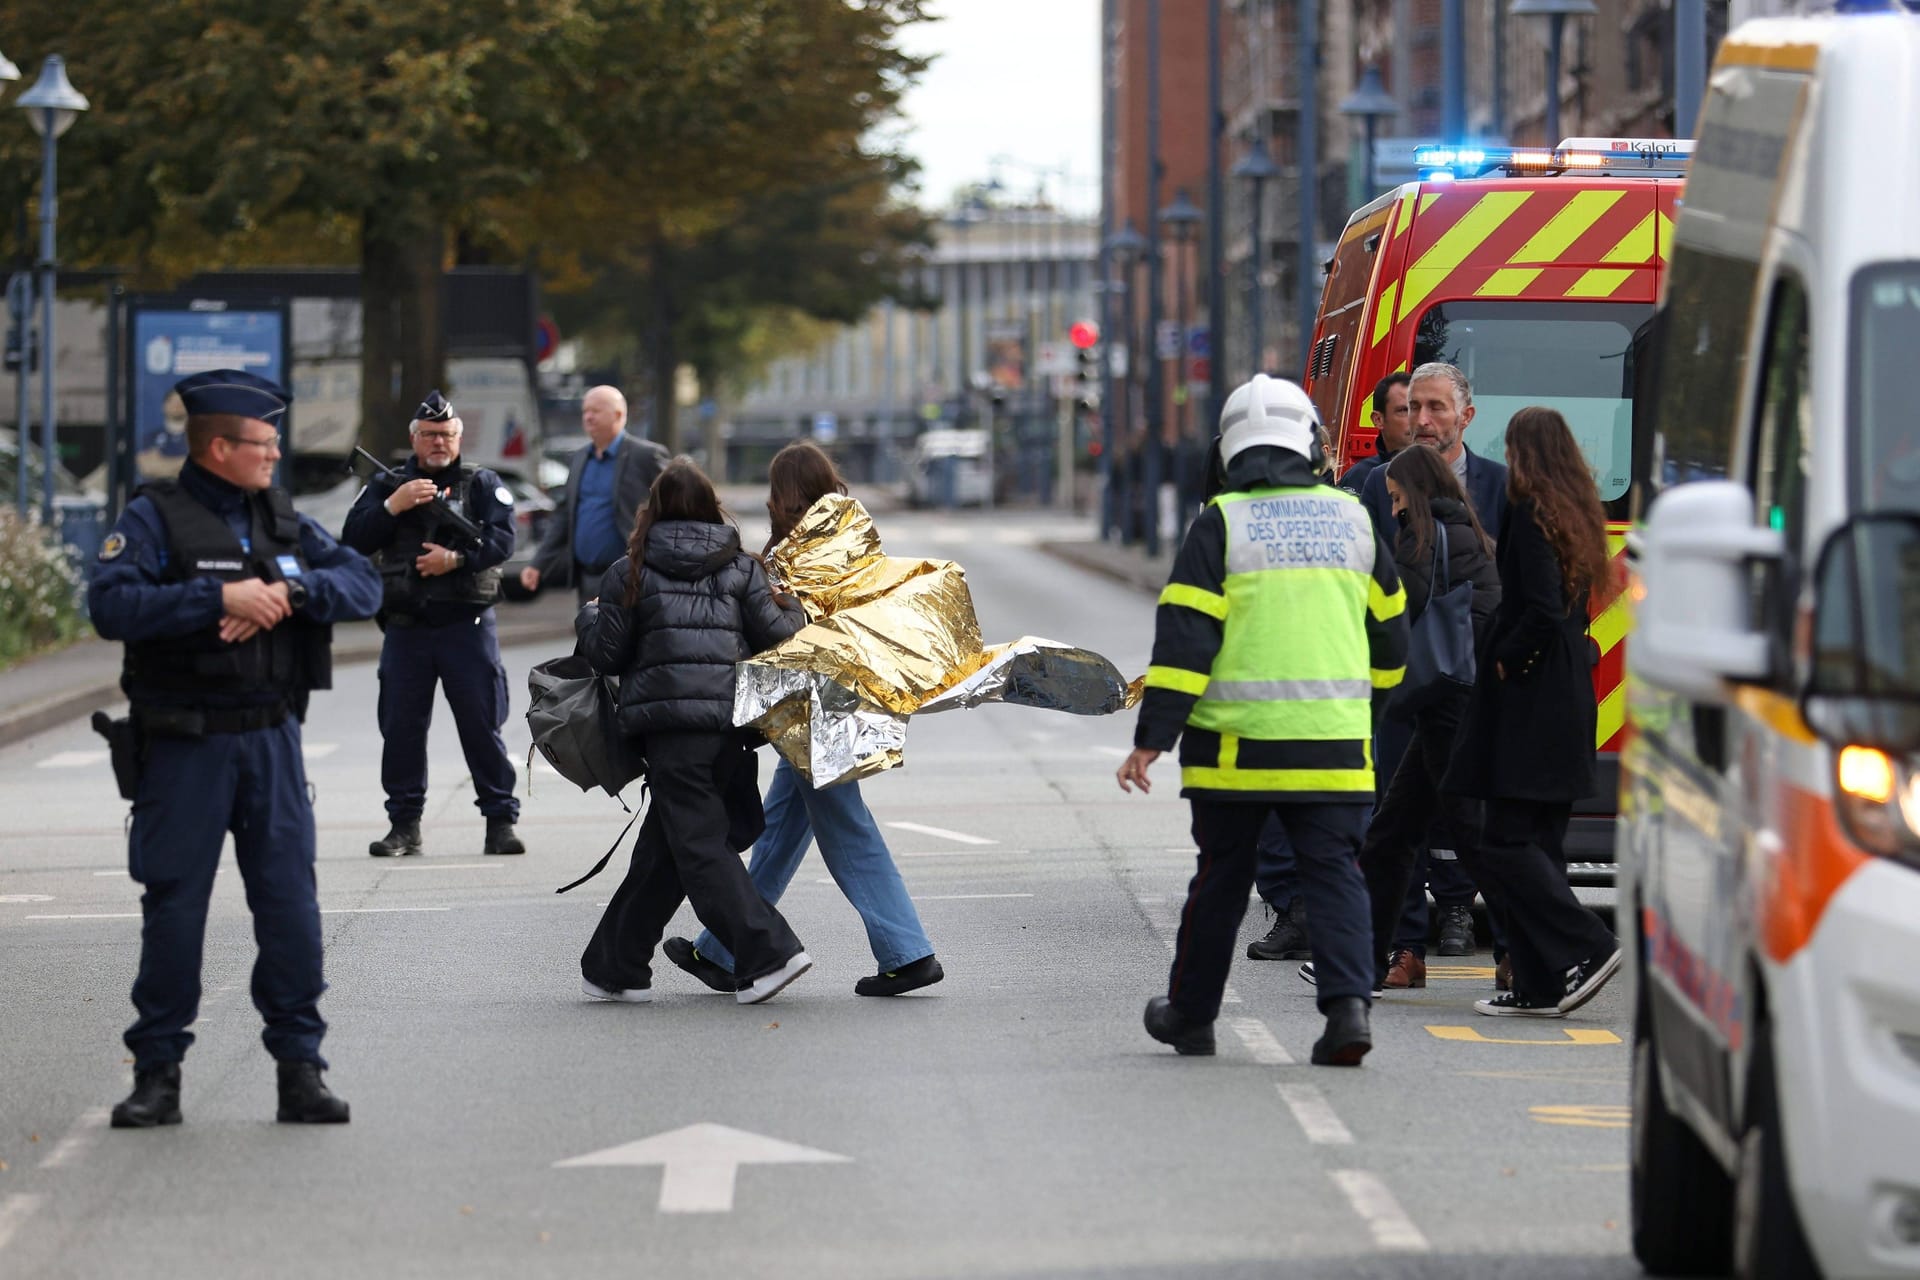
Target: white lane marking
{"x": 71, "y": 759}
{"x": 318, "y": 750}
{"x": 14, "y": 1210}
{"x": 957, "y": 897}
{"x": 20, "y": 899}
{"x": 85, "y": 1131}
{"x": 375, "y": 911}
{"x": 446, "y": 866}
{"x": 700, "y": 1163}
{"x": 1315, "y": 1115}
{"x": 1389, "y": 1223}
{"x": 958, "y": 853}
{"x": 1266, "y": 1050}
{"x": 944, "y": 834}
{"x": 105, "y": 915}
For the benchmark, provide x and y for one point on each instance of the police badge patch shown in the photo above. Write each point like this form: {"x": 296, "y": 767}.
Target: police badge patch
{"x": 113, "y": 546}
{"x": 505, "y": 495}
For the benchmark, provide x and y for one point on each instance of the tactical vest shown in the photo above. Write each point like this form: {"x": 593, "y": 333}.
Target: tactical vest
{"x": 1288, "y": 704}
{"x": 404, "y": 590}
{"x": 285, "y": 662}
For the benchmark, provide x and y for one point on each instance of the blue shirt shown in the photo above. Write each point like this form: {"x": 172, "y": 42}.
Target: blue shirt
{"x": 596, "y": 536}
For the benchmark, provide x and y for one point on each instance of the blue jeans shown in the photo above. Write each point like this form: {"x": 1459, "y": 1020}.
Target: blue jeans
{"x": 856, "y": 856}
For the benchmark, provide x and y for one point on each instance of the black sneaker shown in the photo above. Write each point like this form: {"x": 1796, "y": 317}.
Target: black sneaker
{"x": 1288, "y": 939}
{"x": 1585, "y": 979}
{"x": 1308, "y": 976}
{"x": 688, "y": 957}
{"x": 1514, "y": 1004}
{"x": 1456, "y": 931}
{"x": 1189, "y": 1039}
{"x": 923, "y": 972}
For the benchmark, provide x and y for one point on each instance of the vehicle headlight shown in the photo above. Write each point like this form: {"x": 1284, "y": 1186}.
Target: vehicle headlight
{"x": 1879, "y": 802}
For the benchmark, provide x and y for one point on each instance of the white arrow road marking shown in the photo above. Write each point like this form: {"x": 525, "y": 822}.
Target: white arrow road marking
{"x": 14, "y": 1210}
{"x": 944, "y": 834}
{"x": 1389, "y": 1223}
{"x": 71, "y": 759}
{"x": 701, "y": 1161}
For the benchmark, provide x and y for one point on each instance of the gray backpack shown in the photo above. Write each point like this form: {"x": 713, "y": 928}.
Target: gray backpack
{"x": 575, "y": 724}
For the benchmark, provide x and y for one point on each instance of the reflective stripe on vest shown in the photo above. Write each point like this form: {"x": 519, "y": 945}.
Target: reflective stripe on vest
{"x": 1294, "y": 664}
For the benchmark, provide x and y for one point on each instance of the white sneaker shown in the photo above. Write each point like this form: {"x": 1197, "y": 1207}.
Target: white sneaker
{"x": 631, "y": 995}
{"x": 1308, "y": 976}
{"x": 768, "y": 985}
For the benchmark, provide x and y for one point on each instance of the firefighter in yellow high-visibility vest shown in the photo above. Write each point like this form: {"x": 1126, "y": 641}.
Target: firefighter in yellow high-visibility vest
{"x": 1281, "y": 628}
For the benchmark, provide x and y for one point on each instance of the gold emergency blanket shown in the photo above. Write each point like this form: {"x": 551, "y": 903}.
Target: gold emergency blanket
{"x": 889, "y": 637}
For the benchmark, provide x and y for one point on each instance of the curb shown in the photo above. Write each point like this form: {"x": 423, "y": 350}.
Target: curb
{"x": 1079, "y": 557}
{"x": 24, "y": 721}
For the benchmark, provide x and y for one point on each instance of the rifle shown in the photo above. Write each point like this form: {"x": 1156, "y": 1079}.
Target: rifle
{"x": 442, "y": 509}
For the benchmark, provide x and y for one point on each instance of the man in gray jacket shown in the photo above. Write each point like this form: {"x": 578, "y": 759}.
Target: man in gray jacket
{"x": 607, "y": 482}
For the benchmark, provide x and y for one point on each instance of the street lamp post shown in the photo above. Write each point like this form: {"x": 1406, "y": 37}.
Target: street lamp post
{"x": 1124, "y": 248}
{"x": 1371, "y": 102}
{"x": 1556, "y": 12}
{"x": 1182, "y": 220}
{"x": 51, "y": 105}
{"x": 1257, "y": 169}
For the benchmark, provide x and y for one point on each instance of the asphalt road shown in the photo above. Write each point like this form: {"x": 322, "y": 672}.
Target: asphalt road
{"x": 1014, "y": 1121}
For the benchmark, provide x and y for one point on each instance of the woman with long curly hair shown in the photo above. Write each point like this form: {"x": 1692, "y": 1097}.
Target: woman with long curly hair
{"x": 1527, "y": 745}
{"x": 837, "y": 818}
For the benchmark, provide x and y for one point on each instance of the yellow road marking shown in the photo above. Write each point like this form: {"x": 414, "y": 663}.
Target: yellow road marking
{"x": 1459, "y": 972}
{"x": 1574, "y": 220}
{"x": 1458, "y": 241}
{"x": 1574, "y": 1035}
{"x": 1582, "y": 1117}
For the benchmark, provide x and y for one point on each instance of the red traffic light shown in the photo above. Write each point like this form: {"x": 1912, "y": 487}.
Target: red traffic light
{"x": 1083, "y": 334}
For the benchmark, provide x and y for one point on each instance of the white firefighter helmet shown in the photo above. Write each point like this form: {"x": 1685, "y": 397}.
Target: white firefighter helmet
{"x": 1270, "y": 411}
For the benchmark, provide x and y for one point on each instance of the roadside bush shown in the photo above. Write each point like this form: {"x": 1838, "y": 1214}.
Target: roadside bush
{"x": 39, "y": 589}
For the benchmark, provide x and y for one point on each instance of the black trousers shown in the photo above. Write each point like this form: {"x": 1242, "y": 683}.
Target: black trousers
{"x": 1405, "y": 823}
{"x": 1325, "y": 838}
{"x": 683, "y": 854}
{"x": 1522, "y": 871}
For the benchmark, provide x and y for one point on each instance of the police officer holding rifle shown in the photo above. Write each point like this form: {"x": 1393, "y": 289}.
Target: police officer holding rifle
{"x": 439, "y": 530}
{"x": 224, "y": 597}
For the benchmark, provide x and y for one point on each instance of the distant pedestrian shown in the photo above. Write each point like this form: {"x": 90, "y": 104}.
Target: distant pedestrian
{"x": 1392, "y": 427}
{"x": 1439, "y": 410}
{"x": 1527, "y": 745}
{"x": 837, "y": 818}
{"x": 1279, "y": 629}
{"x": 677, "y": 612}
{"x": 224, "y": 597}
{"x": 607, "y": 483}
{"x": 437, "y": 612}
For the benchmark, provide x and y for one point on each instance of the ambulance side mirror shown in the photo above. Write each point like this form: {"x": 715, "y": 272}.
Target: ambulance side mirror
{"x": 1863, "y": 650}
{"x": 1695, "y": 629}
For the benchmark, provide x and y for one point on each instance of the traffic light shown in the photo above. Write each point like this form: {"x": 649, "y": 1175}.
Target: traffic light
{"x": 1085, "y": 336}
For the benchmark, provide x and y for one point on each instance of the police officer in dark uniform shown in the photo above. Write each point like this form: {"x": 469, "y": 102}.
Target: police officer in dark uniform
{"x": 439, "y": 589}
{"x": 225, "y": 598}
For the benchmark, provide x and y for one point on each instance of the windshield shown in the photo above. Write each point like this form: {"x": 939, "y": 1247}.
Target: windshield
{"x": 1572, "y": 356}
{"x": 1886, "y": 437}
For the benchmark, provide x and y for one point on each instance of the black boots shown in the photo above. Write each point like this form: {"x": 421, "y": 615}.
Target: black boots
{"x": 401, "y": 841}
{"x": 1189, "y": 1039}
{"x": 1348, "y": 1037}
{"x": 1288, "y": 939}
{"x": 923, "y": 972}
{"x": 305, "y": 1098}
{"x": 155, "y": 1099}
{"x": 500, "y": 837}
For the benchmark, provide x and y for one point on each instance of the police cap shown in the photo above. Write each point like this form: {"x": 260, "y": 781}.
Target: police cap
{"x": 233, "y": 391}
{"x": 435, "y": 408}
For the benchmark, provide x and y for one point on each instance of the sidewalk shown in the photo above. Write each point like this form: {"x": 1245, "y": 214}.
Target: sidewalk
{"x": 1127, "y": 564}
{"x": 85, "y": 676}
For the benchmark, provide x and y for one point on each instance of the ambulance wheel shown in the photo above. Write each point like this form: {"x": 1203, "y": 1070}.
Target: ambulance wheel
{"x": 1768, "y": 1241}
{"x": 1682, "y": 1200}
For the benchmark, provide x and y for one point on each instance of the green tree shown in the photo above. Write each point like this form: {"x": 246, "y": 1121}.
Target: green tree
{"x": 390, "y": 130}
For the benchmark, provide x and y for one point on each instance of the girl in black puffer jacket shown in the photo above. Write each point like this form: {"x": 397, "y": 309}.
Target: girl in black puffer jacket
{"x": 673, "y": 617}
{"x": 1434, "y": 516}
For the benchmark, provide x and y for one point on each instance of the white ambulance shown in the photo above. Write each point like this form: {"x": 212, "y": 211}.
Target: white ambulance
{"x": 1769, "y": 841}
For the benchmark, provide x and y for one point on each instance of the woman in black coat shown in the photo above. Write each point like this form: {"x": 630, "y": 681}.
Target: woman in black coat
{"x": 673, "y": 618}
{"x": 1438, "y": 529}
{"x": 1527, "y": 746}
